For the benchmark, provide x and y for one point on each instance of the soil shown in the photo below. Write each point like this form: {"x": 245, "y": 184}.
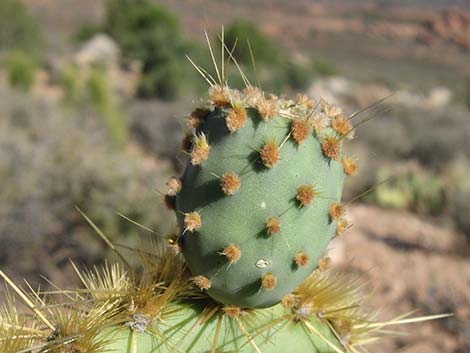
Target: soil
{"x": 410, "y": 265}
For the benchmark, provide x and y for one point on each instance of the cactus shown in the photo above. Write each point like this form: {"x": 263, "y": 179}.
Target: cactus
{"x": 257, "y": 205}
{"x": 160, "y": 310}
{"x": 233, "y": 334}
{"x": 262, "y": 176}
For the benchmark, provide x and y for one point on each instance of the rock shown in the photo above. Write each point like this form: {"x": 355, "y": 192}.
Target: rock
{"x": 439, "y": 97}
{"x": 332, "y": 89}
{"x": 101, "y": 49}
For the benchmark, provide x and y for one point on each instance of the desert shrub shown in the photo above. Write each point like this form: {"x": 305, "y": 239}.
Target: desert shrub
{"x": 21, "y": 70}
{"x": 71, "y": 81}
{"x": 428, "y": 193}
{"x": 458, "y": 189}
{"x": 91, "y": 88}
{"x": 102, "y": 97}
{"x": 144, "y": 31}
{"x": 298, "y": 77}
{"x": 48, "y": 164}
{"x": 412, "y": 188}
{"x": 152, "y": 35}
{"x": 18, "y": 29}
{"x": 467, "y": 92}
{"x": 157, "y": 127}
{"x": 438, "y": 135}
{"x": 241, "y": 32}
{"x": 86, "y": 32}
{"x": 275, "y": 69}
{"x": 324, "y": 67}
{"x": 165, "y": 81}
{"x": 439, "y": 144}
{"x": 460, "y": 209}
{"x": 431, "y": 136}
{"x": 386, "y": 136}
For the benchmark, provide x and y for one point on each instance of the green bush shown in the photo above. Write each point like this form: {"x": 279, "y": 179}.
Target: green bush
{"x": 90, "y": 88}
{"x": 429, "y": 195}
{"x": 458, "y": 189}
{"x": 411, "y": 188}
{"x": 71, "y": 81}
{"x": 430, "y": 136}
{"x": 18, "y": 29}
{"x": 102, "y": 97}
{"x": 152, "y": 35}
{"x": 86, "y": 32}
{"x": 21, "y": 70}
{"x": 298, "y": 77}
{"x": 241, "y": 32}
{"x": 466, "y": 94}
{"x": 145, "y": 31}
{"x": 274, "y": 68}
{"x": 324, "y": 67}
{"x": 460, "y": 210}
{"x": 164, "y": 82}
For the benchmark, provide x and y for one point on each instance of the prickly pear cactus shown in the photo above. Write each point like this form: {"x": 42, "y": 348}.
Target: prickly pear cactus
{"x": 257, "y": 205}
{"x": 259, "y": 200}
{"x": 186, "y": 333}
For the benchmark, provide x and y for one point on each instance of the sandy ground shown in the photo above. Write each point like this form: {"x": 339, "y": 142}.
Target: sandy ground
{"x": 410, "y": 264}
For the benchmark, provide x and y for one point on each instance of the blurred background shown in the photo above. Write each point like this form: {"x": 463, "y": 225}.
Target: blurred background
{"x": 93, "y": 96}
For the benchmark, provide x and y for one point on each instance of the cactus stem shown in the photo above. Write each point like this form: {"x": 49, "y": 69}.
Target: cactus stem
{"x": 170, "y": 202}
{"x": 187, "y": 143}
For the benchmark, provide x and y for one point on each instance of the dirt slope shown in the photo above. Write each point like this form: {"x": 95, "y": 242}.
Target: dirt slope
{"x": 411, "y": 264}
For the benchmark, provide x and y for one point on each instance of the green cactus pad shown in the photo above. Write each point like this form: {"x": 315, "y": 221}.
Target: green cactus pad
{"x": 183, "y": 332}
{"x": 266, "y": 190}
